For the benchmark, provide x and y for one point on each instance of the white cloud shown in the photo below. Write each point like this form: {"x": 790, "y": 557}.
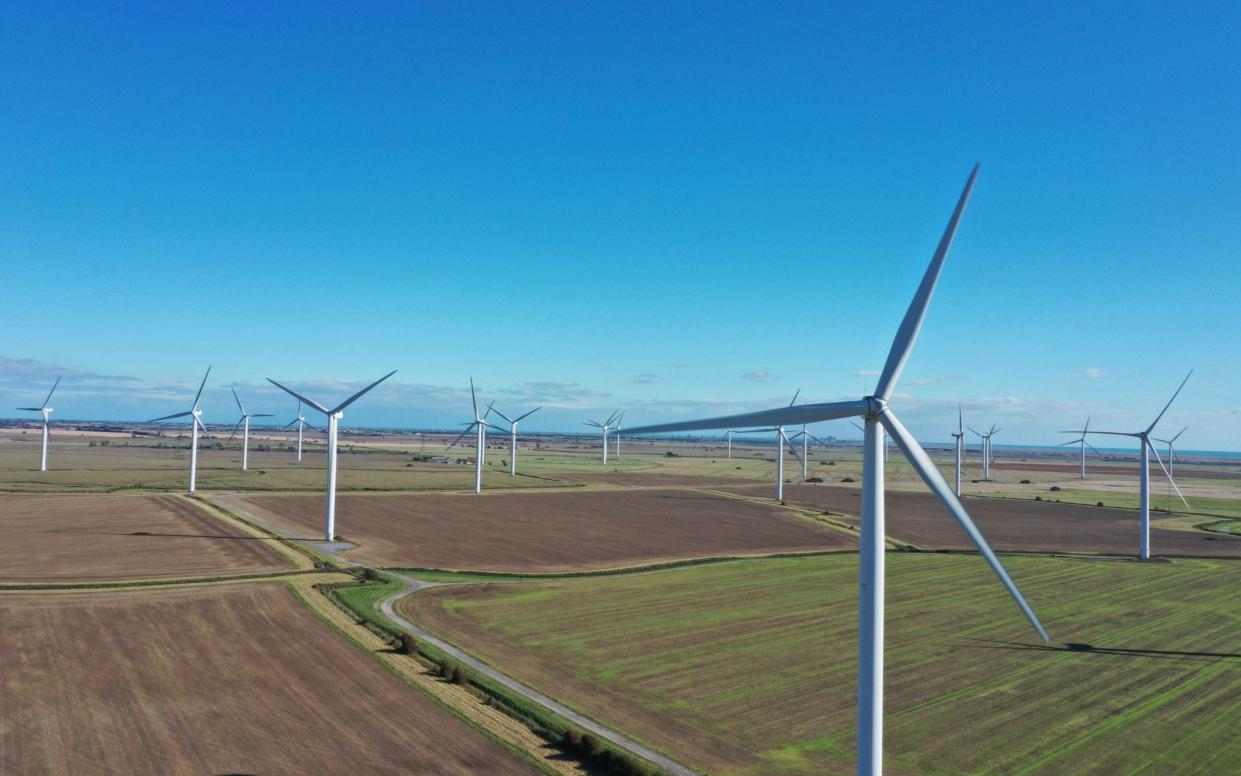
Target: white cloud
{"x": 867, "y": 373}
{"x": 757, "y": 376}
{"x": 1095, "y": 373}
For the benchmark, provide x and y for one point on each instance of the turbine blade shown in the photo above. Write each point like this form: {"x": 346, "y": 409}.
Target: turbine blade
{"x": 30, "y": 409}
{"x": 1113, "y": 433}
{"x": 1070, "y": 442}
{"x": 855, "y": 424}
{"x": 291, "y": 422}
{"x": 820, "y": 441}
{"x": 166, "y": 417}
{"x": 793, "y": 449}
{"x": 802, "y": 413}
{"x": 501, "y": 414}
{"x": 473, "y": 397}
{"x": 795, "y": 395}
{"x": 528, "y": 414}
{"x": 458, "y": 439}
{"x": 359, "y": 394}
{"x": 210, "y": 437}
{"x": 1169, "y": 404}
{"x": 262, "y": 415}
{"x": 593, "y": 423}
{"x": 1096, "y": 452}
{"x": 611, "y": 418}
{"x": 1168, "y": 474}
{"x": 300, "y": 398}
{"x": 200, "y": 388}
{"x": 237, "y": 399}
{"x": 960, "y": 420}
{"x": 1178, "y": 435}
{"x": 49, "y": 393}
{"x": 907, "y": 334}
{"x": 935, "y": 481}
{"x": 236, "y": 428}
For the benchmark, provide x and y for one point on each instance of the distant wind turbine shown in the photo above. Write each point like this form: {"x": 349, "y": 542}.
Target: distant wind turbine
{"x": 244, "y": 424}
{"x": 985, "y": 445}
{"x": 300, "y": 420}
{"x": 196, "y": 424}
{"x": 46, "y": 411}
{"x": 782, "y": 440}
{"x": 1081, "y": 440}
{"x": 959, "y": 436}
{"x": 879, "y": 417}
{"x": 886, "y": 445}
{"x": 479, "y": 427}
{"x": 512, "y": 457}
{"x": 333, "y": 416}
{"x": 1171, "y": 448}
{"x": 604, "y": 428}
{"x": 1144, "y": 471}
{"x": 619, "y": 418}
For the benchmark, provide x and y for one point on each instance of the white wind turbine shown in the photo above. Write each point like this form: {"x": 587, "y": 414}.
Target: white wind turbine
{"x": 300, "y": 420}
{"x": 782, "y": 439}
{"x": 984, "y": 441}
{"x": 479, "y": 427}
{"x": 604, "y": 428}
{"x": 195, "y": 424}
{"x": 1084, "y": 444}
{"x": 46, "y": 411}
{"x": 959, "y": 436}
{"x": 333, "y": 419}
{"x": 1171, "y": 446}
{"x": 244, "y": 424}
{"x": 863, "y": 430}
{"x": 878, "y": 415}
{"x": 619, "y": 418}
{"x": 512, "y": 457}
{"x": 1144, "y": 471}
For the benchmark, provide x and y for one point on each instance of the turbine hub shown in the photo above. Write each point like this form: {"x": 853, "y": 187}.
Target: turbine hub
{"x": 876, "y": 405}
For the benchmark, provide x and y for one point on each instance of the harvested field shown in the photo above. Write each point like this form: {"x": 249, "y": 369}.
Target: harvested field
{"x": 1012, "y": 524}
{"x": 750, "y": 667}
{"x": 556, "y": 531}
{"x": 1122, "y": 470}
{"x": 658, "y": 478}
{"x": 58, "y": 538}
{"x": 237, "y": 679}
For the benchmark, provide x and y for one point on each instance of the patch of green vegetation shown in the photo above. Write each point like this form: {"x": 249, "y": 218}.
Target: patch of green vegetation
{"x": 1198, "y": 505}
{"x": 749, "y": 667}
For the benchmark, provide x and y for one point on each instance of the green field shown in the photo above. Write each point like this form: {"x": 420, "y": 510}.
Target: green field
{"x": 1202, "y": 506}
{"x": 749, "y": 667}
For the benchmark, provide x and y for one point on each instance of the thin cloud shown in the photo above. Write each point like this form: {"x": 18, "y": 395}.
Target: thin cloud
{"x": 933, "y": 380}
{"x": 756, "y": 376}
{"x": 1095, "y": 373}
{"x": 867, "y": 373}
{"x": 644, "y": 379}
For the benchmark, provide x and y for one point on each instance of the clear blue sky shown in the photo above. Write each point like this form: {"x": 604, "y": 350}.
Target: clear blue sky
{"x": 675, "y": 208}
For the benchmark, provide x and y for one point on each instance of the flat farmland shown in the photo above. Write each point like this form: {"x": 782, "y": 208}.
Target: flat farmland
{"x": 544, "y": 532}
{"x": 57, "y": 538}
{"x": 749, "y": 667}
{"x": 237, "y": 679}
{"x": 1012, "y": 524}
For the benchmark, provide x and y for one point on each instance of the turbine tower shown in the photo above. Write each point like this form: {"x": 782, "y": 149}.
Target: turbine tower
{"x": 195, "y": 424}
{"x": 1081, "y": 440}
{"x": 959, "y": 437}
{"x": 619, "y": 418}
{"x": 333, "y": 416}
{"x": 244, "y": 424}
{"x": 878, "y": 415}
{"x": 512, "y": 458}
{"x": 863, "y": 430}
{"x": 479, "y": 426}
{"x": 604, "y": 428}
{"x": 300, "y": 420}
{"x": 781, "y": 440}
{"x": 46, "y": 411}
{"x": 1144, "y": 471}
{"x": 985, "y": 449}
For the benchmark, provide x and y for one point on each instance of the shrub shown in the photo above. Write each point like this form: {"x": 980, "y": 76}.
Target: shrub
{"x": 1099, "y": 504}
{"x": 446, "y": 669}
{"x": 590, "y": 745}
{"x": 571, "y": 741}
{"x": 814, "y": 479}
{"x": 847, "y": 479}
{"x": 1026, "y": 482}
{"x": 1055, "y": 489}
{"x": 371, "y": 575}
{"x": 1038, "y": 498}
{"x": 459, "y": 677}
{"x": 409, "y": 645}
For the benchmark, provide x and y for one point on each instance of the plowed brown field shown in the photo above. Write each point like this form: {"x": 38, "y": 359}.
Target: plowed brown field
{"x": 559, "y": 531}
{"x": 238, "y": 679}
{"x": 54, "y": 538}
{"x": 1013, "y": 524}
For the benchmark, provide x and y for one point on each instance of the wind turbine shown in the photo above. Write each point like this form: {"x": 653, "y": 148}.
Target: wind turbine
{"x": 878, "y": 415}
{"x": 195, "y": 424}
{"x": 479, "y": 426}
{"x": 1144, "y": 498}
{"x": 1084, "y": 444}
{"x": 781, "y": 440}
{"x": 603, "y": 427}
{"x": 300, "y": 420}
{"x": 244, "y": 424}
{"x": 512, "y": 458}
{"x": 619, "y": 418}
{"x": 47, "y": 432}
{"x": 863, "y": 430}
{"x": 959, "y": 436}
{"x": 806, "y": 436}
{"x": 1171, "y": 449}
{"x": 333, "y": 419}
{"x": 985, "y": 444}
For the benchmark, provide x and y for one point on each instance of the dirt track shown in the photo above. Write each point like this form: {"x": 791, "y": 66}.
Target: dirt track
{"x": 238, "y": 679}
{"x": 557, "y": 531}
{"x": 107, "y": 537}
{"x": 1012, "y": 524}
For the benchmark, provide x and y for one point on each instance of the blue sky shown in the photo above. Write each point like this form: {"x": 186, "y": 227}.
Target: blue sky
{"x": 672, "y": 208}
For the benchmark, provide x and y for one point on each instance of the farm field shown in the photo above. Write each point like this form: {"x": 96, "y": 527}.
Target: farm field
{"x": 76, "y": 537}
{"x": 748, "y": 667}
{"x": 544, "y": 532}
{"x": 1013, "y": 523}
{"x": 235, "y": 679}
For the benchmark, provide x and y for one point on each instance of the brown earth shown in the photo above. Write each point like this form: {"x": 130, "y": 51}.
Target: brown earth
{"x": 1012, "y": 524}
{"x": 655, "y": 478}
{"x": 57, "y": 538}
{"x": 1119, "y": 471}
{"x": 550, "y": 531}
{"x": 237, "y": 679}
